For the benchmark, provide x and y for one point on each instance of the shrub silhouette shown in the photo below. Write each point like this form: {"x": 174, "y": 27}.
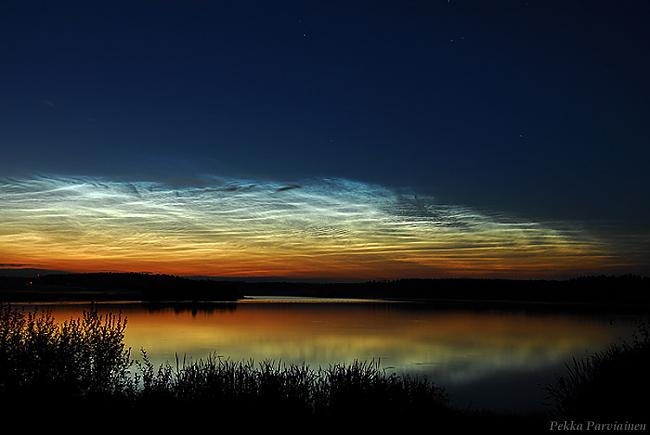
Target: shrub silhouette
{"x": 83, "y": 357}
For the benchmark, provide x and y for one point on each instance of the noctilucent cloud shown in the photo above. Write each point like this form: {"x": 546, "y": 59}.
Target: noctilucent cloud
{"x": 338, "y": 140}
{"x": 327, "y": 228}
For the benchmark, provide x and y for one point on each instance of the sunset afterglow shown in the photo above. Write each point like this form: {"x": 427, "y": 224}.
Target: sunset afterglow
{"x": 322, "y": 228}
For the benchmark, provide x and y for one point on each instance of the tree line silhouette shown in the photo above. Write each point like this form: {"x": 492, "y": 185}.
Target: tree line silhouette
{"x": 606, "y": 291}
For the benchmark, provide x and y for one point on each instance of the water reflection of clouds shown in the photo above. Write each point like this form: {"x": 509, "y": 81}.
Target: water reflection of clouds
{"x": 451, "y": 347}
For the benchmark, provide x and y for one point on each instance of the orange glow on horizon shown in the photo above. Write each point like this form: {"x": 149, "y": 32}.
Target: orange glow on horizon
{"x": 331, "y": 229}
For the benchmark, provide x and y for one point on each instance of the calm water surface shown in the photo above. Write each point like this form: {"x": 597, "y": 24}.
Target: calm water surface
{"x": 494, "y": 359}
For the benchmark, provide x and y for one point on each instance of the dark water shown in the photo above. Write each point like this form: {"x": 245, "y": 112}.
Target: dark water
{"x": 494, "y": 359}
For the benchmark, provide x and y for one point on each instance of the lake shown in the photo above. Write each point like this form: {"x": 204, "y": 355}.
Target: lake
{"x": 493, "y": 359}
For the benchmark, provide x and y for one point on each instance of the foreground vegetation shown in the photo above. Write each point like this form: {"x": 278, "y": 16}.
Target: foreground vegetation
{"x": 610, "y": 384}
{"x": 82, "y": 366}
{"x": 85, "y": 362}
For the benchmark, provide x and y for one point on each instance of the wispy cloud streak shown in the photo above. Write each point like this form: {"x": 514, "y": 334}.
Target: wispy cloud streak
{"x": 333, "y": 228}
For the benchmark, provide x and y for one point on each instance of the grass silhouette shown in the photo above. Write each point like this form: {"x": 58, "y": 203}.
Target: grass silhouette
{"x": 611, "y": 384}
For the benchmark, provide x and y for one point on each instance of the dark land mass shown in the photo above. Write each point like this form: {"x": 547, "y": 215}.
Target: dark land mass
{"x": 592, "y": 293}
{"x": 29, "y": 272}
{"x": 113, "y": 287}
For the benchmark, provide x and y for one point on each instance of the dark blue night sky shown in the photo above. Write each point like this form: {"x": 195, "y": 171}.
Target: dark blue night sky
{"x": 535, "y": 108}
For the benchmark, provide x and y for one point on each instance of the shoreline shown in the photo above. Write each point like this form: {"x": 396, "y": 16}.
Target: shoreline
{"x": 430, "y": 304}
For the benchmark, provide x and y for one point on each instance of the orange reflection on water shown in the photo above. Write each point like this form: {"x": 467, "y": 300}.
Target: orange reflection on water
{"x": 455, "y": 346}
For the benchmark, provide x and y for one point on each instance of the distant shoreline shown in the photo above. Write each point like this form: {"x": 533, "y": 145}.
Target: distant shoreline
{"x": 622, "y": 293}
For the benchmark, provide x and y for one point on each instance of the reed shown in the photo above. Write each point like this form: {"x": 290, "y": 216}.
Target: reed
{"x": 610, "y": 384}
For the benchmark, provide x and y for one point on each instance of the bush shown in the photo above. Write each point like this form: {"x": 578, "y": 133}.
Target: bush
{"x": 81, "y": 357}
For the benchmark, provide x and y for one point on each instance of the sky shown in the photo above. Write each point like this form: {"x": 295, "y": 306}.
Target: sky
{"x": 333, "y": 140}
